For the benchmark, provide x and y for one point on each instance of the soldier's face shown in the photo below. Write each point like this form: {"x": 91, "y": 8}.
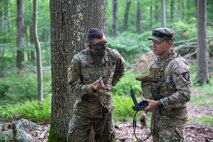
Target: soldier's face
{"x": 98, "y": 47}
{"x": 161, "y": 49}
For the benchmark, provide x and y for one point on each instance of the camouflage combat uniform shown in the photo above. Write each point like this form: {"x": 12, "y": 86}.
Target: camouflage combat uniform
{"x": 93, "y": 109}
{"x": 171, "y": 85}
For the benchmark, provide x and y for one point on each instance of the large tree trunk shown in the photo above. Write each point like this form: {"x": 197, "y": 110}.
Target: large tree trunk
{"x": 114, "y": 18}
{"x": 70, "y": 22}
{"x": 38, "y": 56}
{"x": 163, "y": 13}
{"x": 203, "y": 74}
{"x": 138, "y": 17}
{"x": 126, "y": 15}
{"x": 20, "y": 34}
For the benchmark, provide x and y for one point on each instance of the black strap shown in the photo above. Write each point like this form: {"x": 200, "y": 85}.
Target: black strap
{"x": 134, "y": 129}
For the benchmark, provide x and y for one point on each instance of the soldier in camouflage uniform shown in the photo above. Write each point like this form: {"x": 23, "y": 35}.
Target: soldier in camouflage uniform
{"x": 93, "y": 105}
{"x": 167, "y": 89}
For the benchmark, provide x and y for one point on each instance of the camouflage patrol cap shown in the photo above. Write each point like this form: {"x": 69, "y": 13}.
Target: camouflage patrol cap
{"x": 162, "y": 34}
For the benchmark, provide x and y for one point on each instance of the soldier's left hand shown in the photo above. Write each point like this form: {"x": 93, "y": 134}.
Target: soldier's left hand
{"x": 152, "y": 105}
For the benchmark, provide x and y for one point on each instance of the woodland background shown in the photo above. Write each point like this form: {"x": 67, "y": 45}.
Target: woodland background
{"x": 38, "y": 39}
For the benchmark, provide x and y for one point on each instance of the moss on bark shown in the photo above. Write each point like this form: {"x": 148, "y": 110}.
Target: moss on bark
{"x": 53, "y": 137}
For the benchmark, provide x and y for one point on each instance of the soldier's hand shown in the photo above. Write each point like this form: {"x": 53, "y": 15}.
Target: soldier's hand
{"x": 152, "y": 105}
{"x": 98, "y": 85}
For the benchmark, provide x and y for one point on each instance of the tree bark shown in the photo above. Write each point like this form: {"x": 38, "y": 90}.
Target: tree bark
{"x": 38, "y": 55}
{"x": 138, "y": 17}
{"x": 114, "y": 18}
{"x": 70, "y": 22}
{"x": 20, "y": 34}
{"x": 126, "y": 15}
{"x": 203, "y": 73}
{"x": 31, "y": 52}
{"x": 163, "y": 13}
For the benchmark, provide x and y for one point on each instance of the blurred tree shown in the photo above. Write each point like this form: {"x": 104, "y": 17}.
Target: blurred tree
{"x": 156, "y": 10}
{"x": 138, "y": 17}
{"x": 38, "y": 55}
{"x": 163, "y": 13}
{"x": 202, "y": 74}
{"x": 20, "y": 34}
{"x": 114, "y": 18}
{"x": 4, "y": 19}
{"x": 150, "y": 19}
{"x": 182, "y": 9}
{"x": 70, "y": 22}
{"x": 126, "y": 15}
{"x": 172, "y": 10}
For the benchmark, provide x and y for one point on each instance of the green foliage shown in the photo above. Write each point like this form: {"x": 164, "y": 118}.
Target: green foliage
{"x": 19, "y": 87}
{"x": 28, "y": 110}
{"x": 202, "y": 120}
{"x": 130, "y": 44}
{"x": 122, "y": 108}
{"x": 180, "y": 27}
{"x": 123, "y": 86}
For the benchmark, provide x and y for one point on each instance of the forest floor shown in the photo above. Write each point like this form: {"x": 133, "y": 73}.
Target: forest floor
{"x": 124, "y": 130}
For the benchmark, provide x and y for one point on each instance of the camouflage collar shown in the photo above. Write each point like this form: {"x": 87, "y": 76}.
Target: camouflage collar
{"x": 90, "y": 58}
{"x": 169, "y": 57}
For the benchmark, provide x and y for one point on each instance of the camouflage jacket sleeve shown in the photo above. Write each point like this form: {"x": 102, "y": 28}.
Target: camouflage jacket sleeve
{"x": 119, "y": 68}
{"x": 181, "y": 77}
{"x": 74, "y": 79}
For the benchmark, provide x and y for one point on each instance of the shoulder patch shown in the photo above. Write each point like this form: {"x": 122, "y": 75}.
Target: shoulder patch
{"x": 179, "y": 65}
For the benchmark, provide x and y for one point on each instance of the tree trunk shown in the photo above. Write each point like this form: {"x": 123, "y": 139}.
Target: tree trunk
{"x": 203, "y": 74}
{"x": 38, "y": 55}
{"x": 150, "y": 20}
{"x": 182, "y": 9}
{"x": 156, "y": 13}
{"x": 31, "y": 52}
{"x": 179, "y": 9}
{"x": 163, "y": 13}
{"x": 4, "y": 19}
{"x": 20, "y": 34}
{"x": 70, "y": 22}
{"x": 172, "y": 10}
{"x": 114, "y": 18}
{"x": 126, "y": 15}
{"x": 138, "y": 17}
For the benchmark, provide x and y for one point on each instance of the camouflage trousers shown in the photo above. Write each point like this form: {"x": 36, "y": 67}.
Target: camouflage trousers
{"x": 102, "y": 129}
{"x": 167, "y": 129}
